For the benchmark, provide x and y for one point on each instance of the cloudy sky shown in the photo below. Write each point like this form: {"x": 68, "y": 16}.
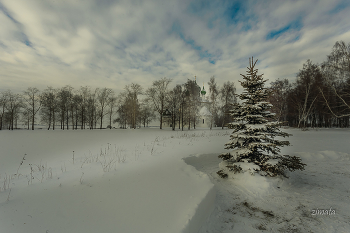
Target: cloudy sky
{"x": 107, "y": 43}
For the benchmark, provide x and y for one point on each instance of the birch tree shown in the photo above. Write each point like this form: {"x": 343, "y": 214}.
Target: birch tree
{"x": 102, "y": 99}
{"x": 278, "y": 98}
{"x": 213, "y": 97}
{"x": 228, "y": 97}
{"x": 174, "y": 104}
{"x": 32, "y": 98}
{"x": 13, "y": 106}
{"x": 3, "y": 106}
{"x": 157, "y": 94}
{"x": 307, "y": 80}
{"x": 49, "y": 109}
{"x": 112, "y": 103}
{"x": 337, "y": 70}
{"x": 133, "y": 106}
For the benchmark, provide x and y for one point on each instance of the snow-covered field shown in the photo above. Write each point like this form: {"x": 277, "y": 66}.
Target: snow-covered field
{"x": 151, "y": 180}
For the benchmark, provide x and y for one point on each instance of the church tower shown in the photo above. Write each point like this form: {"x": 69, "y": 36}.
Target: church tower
{"x": 205, "y": 116}
{"x": 203, "y": 92}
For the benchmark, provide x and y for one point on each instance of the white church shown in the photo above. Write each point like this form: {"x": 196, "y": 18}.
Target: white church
{"x": 205, "y": 116}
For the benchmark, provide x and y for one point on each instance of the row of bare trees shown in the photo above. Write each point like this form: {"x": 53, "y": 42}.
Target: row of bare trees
{"x": 65, "y": 107}
{"x": 69, "y": 108}
{"x": 10, "y": 105}
{"x": 320, "y": 97}
{"x": 83, "y": 108}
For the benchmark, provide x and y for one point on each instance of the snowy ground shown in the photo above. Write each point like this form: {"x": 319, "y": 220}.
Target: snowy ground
{"x": 149, "y": 180}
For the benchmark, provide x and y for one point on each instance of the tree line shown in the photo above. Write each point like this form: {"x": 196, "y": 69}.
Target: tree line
{"x": 320, "y": 96}
{"x": 88, "y": 108}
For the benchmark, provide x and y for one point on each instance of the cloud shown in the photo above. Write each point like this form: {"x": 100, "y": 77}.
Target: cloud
{"x": 114, "y": 43}
{"x": 292, "y": 26}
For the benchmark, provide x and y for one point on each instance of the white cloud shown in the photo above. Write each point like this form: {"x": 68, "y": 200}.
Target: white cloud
{"x": 114, "y": 43}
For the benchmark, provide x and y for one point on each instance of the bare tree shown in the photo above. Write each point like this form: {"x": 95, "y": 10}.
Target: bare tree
{"x": 102, "y": 99}
{"x": 32, "y": 98}
{"x": 26, "y": 116}
{"x": 213, "y": 97}
{"x": 49, "y": 109}
{"x": 111, "y": 103}
{"x": 75, "y": 108}
{"x": 3, "y": 106}
{"x": 84, "y": 93}
{"x": 182, "y": 102}
{"x": 341, "y": 98}
{"x": 132, "y": 92}
{"x": 92, "y": 109}
{"x": 305, "y": 107}
{"x": 339, "y": 59}
{"x": 146, "y": 113}
{"x": 64, "y": 96}
{"x": 191, "y": 103}
{"x": 13, "y": 106}
{"x": 337, "y": 71}
{"x": 122, "y": 110}
{"x": 307, "y": 81}
{"x": 228, "y": 98}
{"x": 157, "y": 95}
{"x": 278, "y": 98}
{"x": 174, "y": 98}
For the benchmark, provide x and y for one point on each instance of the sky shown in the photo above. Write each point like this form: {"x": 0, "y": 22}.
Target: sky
{"x": 107, "y": 43}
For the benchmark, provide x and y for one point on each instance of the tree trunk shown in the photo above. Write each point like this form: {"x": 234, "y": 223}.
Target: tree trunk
{"x": 72, "y": 117}
{"x": 179, "y": 121}
{"x": 67, "y": 120}
{"x": 194, "y": 122}
{"x": 101, "y": 116}
{"x": 33, "y": 119}
{"x": 53, "y": 120}
{"x": 49, "y": 120}
{"x": 161, "y": 121}
{"x": 182, "y": 118}
{"x": 189, "y": 120}
{"x": 82, "y": 118}
{"x": 161, "y": 115}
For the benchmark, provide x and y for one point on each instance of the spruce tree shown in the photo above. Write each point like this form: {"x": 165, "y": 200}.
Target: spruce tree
{"x": 252, "y": 143}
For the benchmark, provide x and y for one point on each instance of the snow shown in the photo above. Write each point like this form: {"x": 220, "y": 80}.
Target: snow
{"x": 104, "y": 180}
{"x": 151, "y": 180}
{"x": 254, "y": 203}
{"x": 257, "y": 126}
{"x": 272, "y": 162}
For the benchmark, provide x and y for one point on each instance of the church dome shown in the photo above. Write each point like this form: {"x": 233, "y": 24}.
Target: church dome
{"x": 203, "y": 92}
